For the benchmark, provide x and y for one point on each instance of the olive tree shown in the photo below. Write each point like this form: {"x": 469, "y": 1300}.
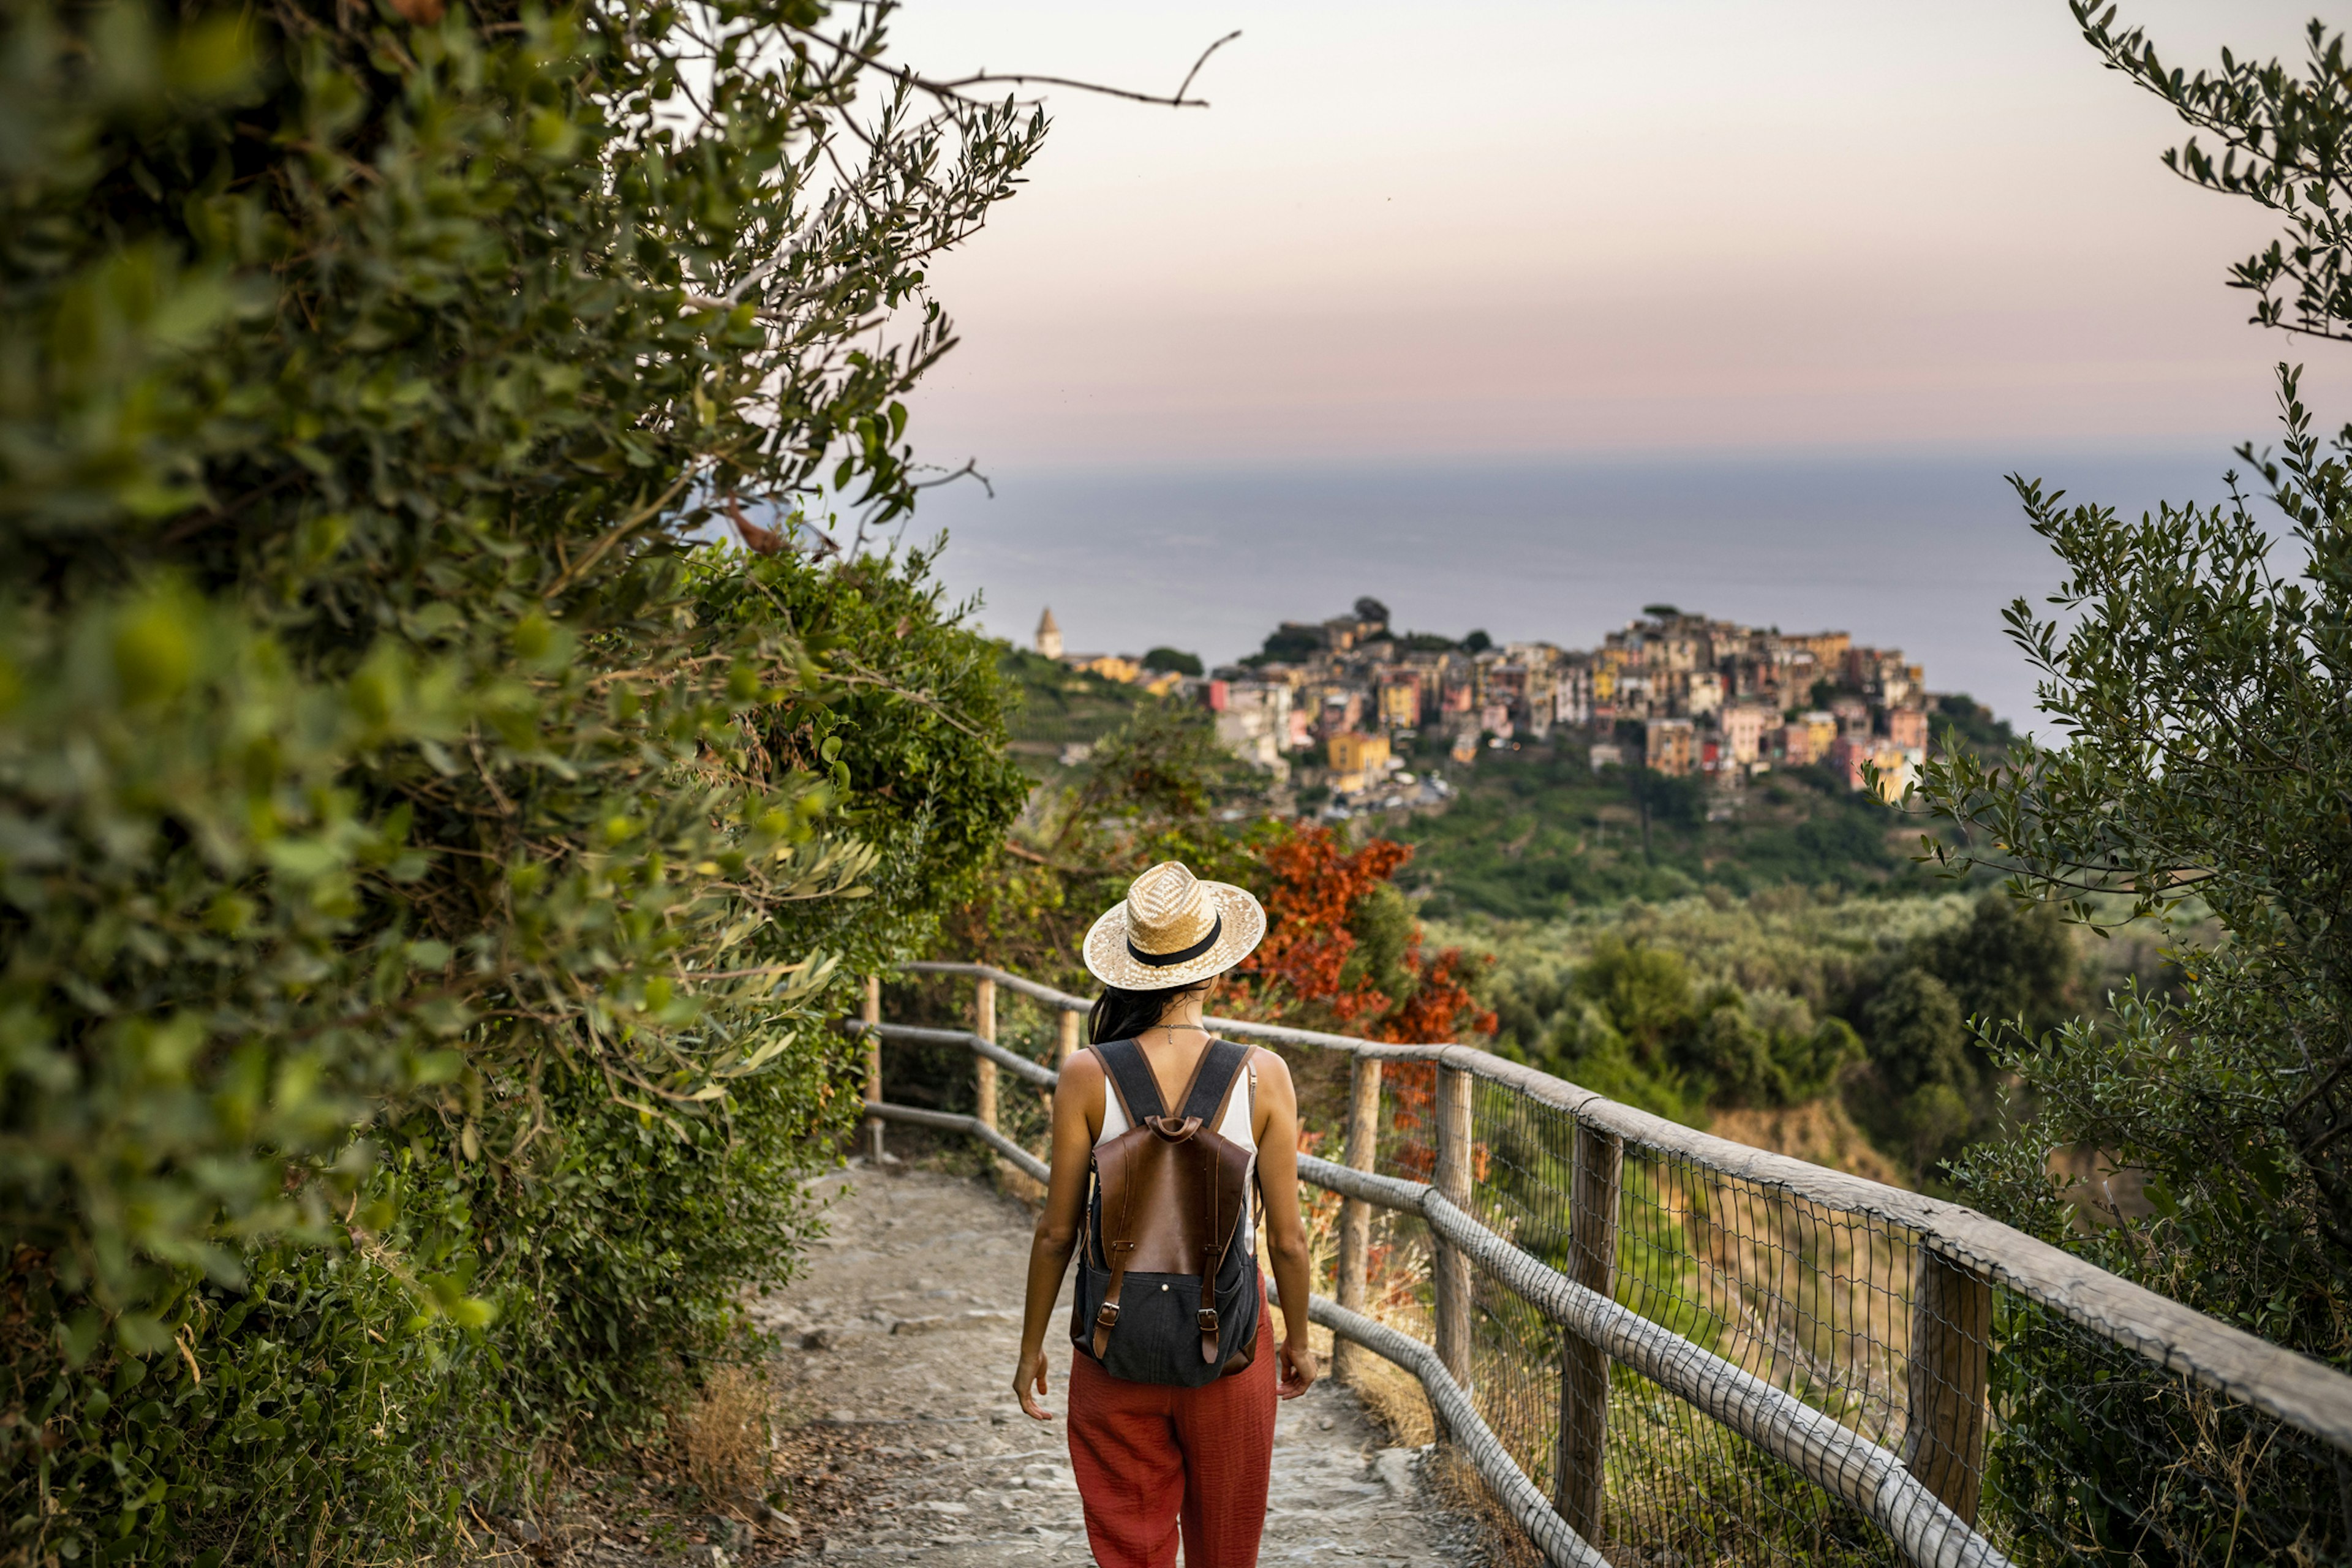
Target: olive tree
{"x": 2194, "y": 665}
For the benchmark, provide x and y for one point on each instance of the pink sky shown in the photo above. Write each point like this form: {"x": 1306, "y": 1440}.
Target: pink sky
{"x": 1594, "y": 226}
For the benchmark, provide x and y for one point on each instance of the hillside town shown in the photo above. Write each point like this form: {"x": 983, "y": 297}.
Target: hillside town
{"x": 1680, "y": 694}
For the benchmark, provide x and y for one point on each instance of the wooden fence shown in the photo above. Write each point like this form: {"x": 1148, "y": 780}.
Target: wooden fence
{"x": 1844, "y": 1329}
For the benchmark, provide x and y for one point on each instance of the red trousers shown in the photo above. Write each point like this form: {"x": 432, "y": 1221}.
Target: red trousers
{"x": 1149, "y": 1456}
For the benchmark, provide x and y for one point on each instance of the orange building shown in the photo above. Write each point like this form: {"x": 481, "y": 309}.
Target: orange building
{"x": 1357, "y": 761}
{"x": 1669, "y": 746}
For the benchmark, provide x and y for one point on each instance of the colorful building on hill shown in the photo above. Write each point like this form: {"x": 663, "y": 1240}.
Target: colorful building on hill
{"x": 1109, "y": 665}
{"x": 1357, "y": 761}
{"x": 1399, "y": 700}
{"x": 1742, "y": 726}
{"x": 1844, "y": 756}
{"x": 1669, "y": 746}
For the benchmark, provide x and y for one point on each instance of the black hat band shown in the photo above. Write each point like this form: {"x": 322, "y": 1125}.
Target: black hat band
{"x": 1182, "y": 955}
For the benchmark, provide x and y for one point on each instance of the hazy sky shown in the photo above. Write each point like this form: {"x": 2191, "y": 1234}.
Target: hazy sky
{"x": 1584, "y": 227}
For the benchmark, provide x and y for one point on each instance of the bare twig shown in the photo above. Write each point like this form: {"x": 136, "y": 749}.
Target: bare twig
{"x": 952, "y": 90}
{"x": 1177, "y": 101}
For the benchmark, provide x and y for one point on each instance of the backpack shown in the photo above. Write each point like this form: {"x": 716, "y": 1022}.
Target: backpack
{"x": 1163, "y": 1296}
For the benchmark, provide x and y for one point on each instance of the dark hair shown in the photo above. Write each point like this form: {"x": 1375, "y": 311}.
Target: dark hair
{"x": 1122, "y": 1015}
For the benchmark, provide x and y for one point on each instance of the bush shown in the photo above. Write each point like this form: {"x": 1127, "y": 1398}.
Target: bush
{"x": 423, "y": 867}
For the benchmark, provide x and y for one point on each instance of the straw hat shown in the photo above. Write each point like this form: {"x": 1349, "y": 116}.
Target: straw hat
{"x": 1172, "y": 930}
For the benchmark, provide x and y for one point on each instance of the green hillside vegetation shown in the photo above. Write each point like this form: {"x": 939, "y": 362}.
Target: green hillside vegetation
{"x": 1536, "y": 833}
{"x": 1060, "y": 706}
{"x": 1710, "y": 1002}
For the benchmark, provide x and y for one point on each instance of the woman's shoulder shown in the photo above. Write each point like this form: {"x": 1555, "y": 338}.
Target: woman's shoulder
{"x": 1269, "y": 1065}
{"x": 1083, "y": 1069}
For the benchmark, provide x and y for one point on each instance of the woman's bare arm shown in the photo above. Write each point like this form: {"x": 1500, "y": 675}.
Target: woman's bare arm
{"x": 1285, "y": 1226}
{"x": 1077, "y": 1109}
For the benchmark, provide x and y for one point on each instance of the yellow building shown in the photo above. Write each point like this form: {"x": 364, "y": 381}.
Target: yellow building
{"x": 1821, "y": 729}
{"x": 1357, "y": 761}
{"x": 1110, "y": 666}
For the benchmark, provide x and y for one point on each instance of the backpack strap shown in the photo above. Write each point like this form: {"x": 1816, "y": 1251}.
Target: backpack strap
{"x": 1117, "y": 1234}
{"x": 1130, "y": 1079}
{"x": 1213, "y": 1084}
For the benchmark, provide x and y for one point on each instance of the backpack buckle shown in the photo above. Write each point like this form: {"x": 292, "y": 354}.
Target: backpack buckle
{"x": 1108, "y": 1316}
{"x": 1205, "y": 1319}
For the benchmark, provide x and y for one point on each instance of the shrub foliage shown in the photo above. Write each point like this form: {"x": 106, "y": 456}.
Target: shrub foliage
{"x": 422, "y": 865}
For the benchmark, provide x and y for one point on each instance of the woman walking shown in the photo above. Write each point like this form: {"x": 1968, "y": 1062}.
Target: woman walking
{"x": 1160, "y": 1133}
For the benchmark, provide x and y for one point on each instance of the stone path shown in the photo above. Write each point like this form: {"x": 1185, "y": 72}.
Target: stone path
{"x": 906, "y": 1326}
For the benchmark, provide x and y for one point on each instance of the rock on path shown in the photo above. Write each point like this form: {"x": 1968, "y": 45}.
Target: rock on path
{"x": 906, "y": 1326}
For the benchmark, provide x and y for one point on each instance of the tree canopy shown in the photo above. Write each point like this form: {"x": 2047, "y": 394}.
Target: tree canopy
{"x": 2194, "y": 665}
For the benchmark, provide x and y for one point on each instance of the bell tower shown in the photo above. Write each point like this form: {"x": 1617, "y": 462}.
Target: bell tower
{"x": 1049, "y": 636}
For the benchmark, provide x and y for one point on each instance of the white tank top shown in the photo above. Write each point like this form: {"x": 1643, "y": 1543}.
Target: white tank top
{"x": 1240, "y": 1125}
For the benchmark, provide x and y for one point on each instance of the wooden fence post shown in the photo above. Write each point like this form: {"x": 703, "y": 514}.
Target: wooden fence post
{"x": 1454, "y": 1180}
{"x": 1065, "y": 1043}
{"x": 871, "y": 1012}
{"x": 983, "y": 1024}
{"x": 1349, "y": 1359}
{"x": 1578, "y": 1489}
{"x": 1951, "y": 1346}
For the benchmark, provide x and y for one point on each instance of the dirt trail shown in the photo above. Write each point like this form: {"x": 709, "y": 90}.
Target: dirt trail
{"x": 902, "y": 1333}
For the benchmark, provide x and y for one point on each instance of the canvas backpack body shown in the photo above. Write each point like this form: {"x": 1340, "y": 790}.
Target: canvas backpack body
{"x": 1164, "y": 1295}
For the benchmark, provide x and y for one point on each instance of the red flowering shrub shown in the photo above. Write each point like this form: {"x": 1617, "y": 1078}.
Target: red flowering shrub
{"x": 1316, "y": 970}
{"x": 1317, "y": 898}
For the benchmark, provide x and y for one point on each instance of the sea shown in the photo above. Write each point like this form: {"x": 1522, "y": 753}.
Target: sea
{"x": 1916, "y": 551}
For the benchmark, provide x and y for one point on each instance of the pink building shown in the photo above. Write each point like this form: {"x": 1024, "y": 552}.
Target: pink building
{"x": 1341, "y": 712}
{"x": 1743, "y": 732}
{"x": 1846, "y": 755}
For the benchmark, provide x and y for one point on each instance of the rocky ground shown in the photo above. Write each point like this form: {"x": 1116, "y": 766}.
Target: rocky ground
{"x": 900, "y": 1439}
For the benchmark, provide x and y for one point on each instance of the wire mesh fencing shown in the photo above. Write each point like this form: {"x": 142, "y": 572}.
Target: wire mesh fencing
{"x": 1814, "y": 1301}
{"x": 2099, "y": 1456}
{"x": 1702, "y": 1355}
{"x": 2057, "y": 1444}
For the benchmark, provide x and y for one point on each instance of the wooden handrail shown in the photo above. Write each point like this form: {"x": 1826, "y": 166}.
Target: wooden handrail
{"x": 949, "y": 1121}
{"x": 1833, "y": 1456}
{"x": 2305, "y": 1393}
{"x": 1036, "y": 1072}
{"x": 1923, "y": 1497}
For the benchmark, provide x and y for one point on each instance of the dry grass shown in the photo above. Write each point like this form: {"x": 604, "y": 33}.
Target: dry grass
{"x": 1819, "y": 1132}
{"x": 726, "y": 1440}
{"x": 1393, "y": 1399}
{"x": 1452, "y": 1476}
